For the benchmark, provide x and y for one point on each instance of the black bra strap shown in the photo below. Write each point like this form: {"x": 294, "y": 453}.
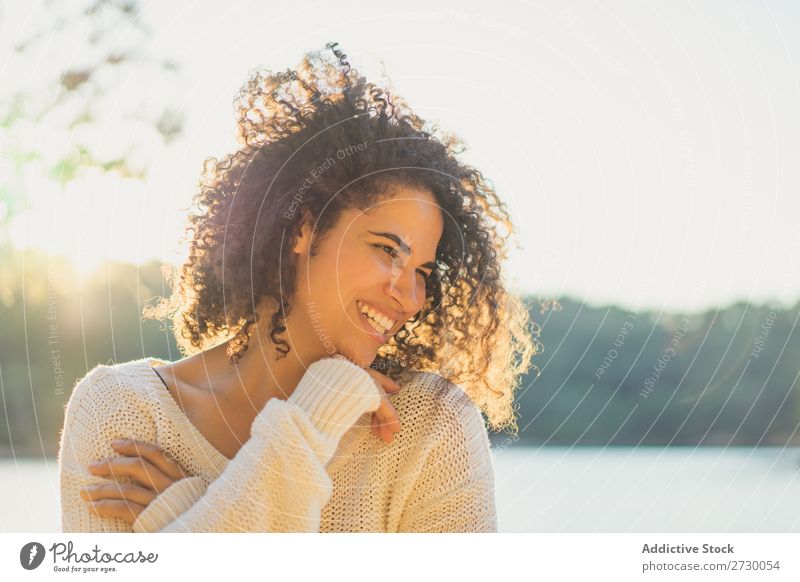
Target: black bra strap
{"x": 160, "y": 378}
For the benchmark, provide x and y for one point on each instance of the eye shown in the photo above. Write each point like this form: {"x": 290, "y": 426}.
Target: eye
{"x": 392, "y": 251}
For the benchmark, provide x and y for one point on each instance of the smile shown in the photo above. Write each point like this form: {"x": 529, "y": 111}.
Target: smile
{"x": 378, "y": 322}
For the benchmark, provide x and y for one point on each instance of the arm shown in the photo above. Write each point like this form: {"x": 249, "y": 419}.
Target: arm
{"x": 455, "y": 491}
{"x": 277, "y": 481}
{"x": 84, "y": 438}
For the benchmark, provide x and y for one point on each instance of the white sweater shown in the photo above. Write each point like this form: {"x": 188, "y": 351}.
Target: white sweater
{"x": 312, "y": 463}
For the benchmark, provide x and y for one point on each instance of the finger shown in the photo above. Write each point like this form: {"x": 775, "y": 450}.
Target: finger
{"x": 114, "y": 490}
{"x": 385, "y": 422}
{"x": 387, "y": 415}
{"x": 160, "y": 459}
{"x": 385, "y": 411}
{"x": 375, "y": 430}
{"x": 384, "y": 381}
{"x": 124, "y": 510}
{"x": 141, "y": 470}
{"x": 154, "y": 455}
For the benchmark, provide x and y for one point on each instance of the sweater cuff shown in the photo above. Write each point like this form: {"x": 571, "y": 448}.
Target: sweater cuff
{"x": 335, "y": 392}
{"x": 173, "y": 502}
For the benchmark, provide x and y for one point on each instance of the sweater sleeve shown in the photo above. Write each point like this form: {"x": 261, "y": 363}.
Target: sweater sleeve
{"x": 83, "y": 440}
{"x": 278, "y": 481}
{"x": 455, "y": 491}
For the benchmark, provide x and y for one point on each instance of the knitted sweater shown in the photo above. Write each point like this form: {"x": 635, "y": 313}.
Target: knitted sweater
{"x": 312, "y": 463}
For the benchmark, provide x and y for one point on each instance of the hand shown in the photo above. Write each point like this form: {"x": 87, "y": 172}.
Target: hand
{"x": 153, "y": 470}
{"x": 384, "y": 420}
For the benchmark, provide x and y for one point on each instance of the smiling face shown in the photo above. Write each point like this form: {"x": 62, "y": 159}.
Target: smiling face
{"x": 366, "y": 278}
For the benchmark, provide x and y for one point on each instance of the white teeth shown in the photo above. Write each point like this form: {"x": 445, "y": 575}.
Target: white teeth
{"x": 380, "y": 322}
{"x": 376, "y": 326}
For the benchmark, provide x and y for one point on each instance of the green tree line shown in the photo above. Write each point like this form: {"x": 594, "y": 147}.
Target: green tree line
{"x": 604, "y": 376}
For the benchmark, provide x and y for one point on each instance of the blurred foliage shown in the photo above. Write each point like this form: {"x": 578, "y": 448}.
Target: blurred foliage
{"x": 730, "y": 377}
{"x": 606, "y": 376}
{"x": 56, "y": 327}
{"x": 93, "y": 61}
{"x": 726, "y": 376}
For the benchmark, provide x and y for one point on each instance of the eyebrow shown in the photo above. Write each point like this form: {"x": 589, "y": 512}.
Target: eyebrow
{"x": 403, "y": 246}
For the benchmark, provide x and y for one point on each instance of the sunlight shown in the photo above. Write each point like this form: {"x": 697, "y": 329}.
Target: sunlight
{"x": 592, "y": 165}
{"x": 94, "y": 217}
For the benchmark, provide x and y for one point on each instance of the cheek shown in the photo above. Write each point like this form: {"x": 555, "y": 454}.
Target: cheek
{"x": 363, "y": 268}
{"x": 324, "y": 270}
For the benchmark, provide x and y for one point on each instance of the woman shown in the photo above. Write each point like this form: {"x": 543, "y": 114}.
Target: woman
{"x": 344, "y": 269}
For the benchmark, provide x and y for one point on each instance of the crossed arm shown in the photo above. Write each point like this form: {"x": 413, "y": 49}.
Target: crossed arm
{"x": 278, "y": 481}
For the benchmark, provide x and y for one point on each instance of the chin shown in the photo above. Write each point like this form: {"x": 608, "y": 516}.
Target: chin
{"x": 362, "y": 357}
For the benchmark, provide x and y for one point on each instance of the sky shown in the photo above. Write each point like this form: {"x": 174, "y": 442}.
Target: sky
{"x": 647, "y": 151}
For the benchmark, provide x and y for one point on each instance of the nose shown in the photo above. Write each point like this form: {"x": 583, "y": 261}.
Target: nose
{"x": 403, "y": 287}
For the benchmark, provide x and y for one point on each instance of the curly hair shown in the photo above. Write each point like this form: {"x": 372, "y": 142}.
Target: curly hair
{"x": 471, "y": 330}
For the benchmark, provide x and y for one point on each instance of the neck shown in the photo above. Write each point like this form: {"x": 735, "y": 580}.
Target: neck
{"x": 258, "y": 376}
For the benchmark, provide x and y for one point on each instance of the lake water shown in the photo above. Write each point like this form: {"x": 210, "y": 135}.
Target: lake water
{"x": 560, "y": 490}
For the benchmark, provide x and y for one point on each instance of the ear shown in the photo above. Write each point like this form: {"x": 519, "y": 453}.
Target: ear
{"x": 303, "y": 242}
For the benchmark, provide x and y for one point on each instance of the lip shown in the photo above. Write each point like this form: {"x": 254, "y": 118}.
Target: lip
{"x": 380, "y": 338}
{"x": 392, "y": 314}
